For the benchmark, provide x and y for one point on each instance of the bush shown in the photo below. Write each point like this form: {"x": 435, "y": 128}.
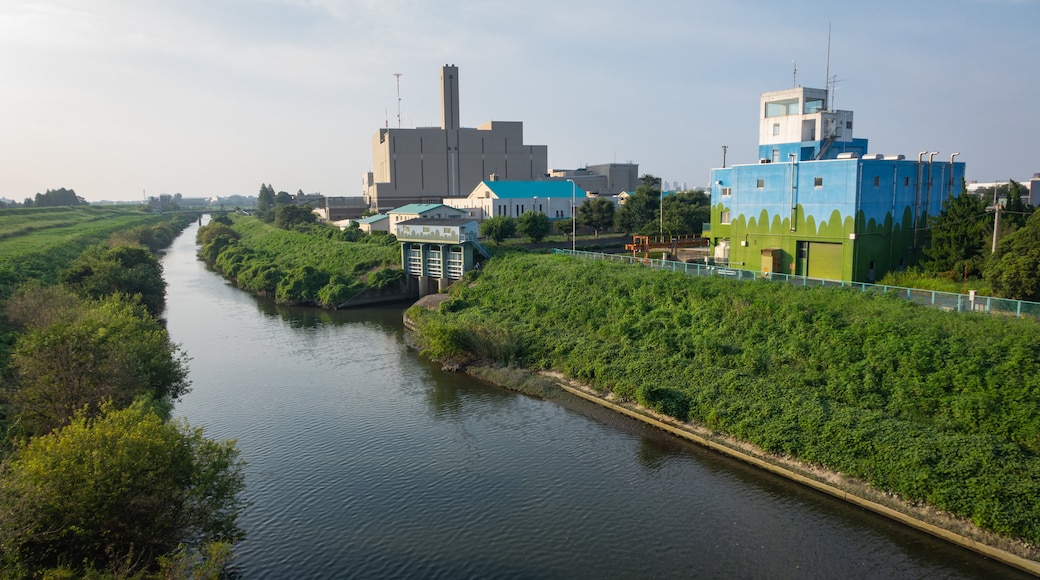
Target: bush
{"x": 117, "y": 492}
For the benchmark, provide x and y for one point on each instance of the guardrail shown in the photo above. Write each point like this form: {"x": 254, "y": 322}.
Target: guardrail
{"x": 932, "y": 298}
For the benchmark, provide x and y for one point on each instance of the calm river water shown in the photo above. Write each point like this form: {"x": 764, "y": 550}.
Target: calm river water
{"x": 365, "y": 461}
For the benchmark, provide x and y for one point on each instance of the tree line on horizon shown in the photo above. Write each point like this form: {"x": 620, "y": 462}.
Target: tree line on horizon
{"x": 959, "y": 246}
{"x": 51, "y": 198}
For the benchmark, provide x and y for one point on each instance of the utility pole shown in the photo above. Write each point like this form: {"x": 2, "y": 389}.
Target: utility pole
{"x": 724, "y": 147}
{"x": 996, "y": 220}
{"x": 660, "y": 181}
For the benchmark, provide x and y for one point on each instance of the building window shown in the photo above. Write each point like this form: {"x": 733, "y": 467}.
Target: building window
{"x": 817, "y": 182}
{"x": 761, "y": 183}
{"x": 848, "y": 125}
{"x": 906, "y": 182}
{"x": 724, "y": 217}
{"x": 776, "y": 156}
{"x": 877, "y": 181}
{"x": 776, "y": 128}
{"x": 727, "y": 191}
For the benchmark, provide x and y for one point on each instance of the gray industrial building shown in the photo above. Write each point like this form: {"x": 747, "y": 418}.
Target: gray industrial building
{"x": 428, "y": 164}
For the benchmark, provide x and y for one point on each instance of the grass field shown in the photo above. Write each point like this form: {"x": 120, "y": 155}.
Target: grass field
{"x": 35, "y": 243}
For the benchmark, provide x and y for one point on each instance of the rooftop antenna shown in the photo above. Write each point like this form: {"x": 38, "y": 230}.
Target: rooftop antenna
{"x": 794, "y": 80}
{"x": 398, "y": 75}
{"x": 833, "y": 87}
{"x": 827, "y": 80}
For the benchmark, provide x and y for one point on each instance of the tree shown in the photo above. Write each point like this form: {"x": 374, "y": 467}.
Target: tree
{"x": 685, "y": 212}
{"x": 124, "y": 269}
{"x": 596, "y": 213}
{"x": 287, "y": 216}
{"x": 639, "y": 210}
{"x": 498, "y": 228}
{"x": 90, "y": 352}
{"x": 265, "y": 201}
{"x": 958, "y": 236}
{"x": 534, "y": 225}
{"x": 116, "y": 492}
{"x": 58, "y": 197}
{"x": 282, "y": 198}
{"x": 1014, "y": 269}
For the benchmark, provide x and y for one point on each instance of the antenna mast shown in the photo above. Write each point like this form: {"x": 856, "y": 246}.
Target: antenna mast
{"x": 398, "y": 75}
{"x": 794, "y": 79}
{"x": 827, "y": 80}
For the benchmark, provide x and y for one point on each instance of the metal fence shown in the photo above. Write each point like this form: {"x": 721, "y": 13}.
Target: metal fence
{"x": 935, "y": 299}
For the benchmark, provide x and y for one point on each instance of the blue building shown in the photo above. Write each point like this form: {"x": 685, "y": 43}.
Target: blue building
{"x": 817, "y": 203}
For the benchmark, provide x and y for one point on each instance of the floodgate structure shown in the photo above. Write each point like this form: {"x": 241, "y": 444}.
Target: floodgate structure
{"x": 817, "y": 204}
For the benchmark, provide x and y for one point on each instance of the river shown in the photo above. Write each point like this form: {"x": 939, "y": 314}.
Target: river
{"x": 366, "y": 461}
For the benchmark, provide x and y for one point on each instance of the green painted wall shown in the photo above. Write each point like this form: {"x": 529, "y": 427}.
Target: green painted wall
{"x": 867, "y": 251}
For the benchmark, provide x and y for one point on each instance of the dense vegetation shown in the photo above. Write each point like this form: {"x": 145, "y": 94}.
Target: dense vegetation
{"x": 38, "y": 243}
{"x": 312, "y": 265}
{"x": 684, "y": 212}
{"x": 95, "y": 480}
{"x": 935, "y": 407}
{"x": 959, "y": 251}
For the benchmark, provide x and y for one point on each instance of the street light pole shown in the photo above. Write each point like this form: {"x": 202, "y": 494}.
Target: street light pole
{"x": 574, "y": 218}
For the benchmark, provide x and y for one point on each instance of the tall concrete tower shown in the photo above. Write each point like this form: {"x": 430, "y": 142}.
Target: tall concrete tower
{"x": 449, "y": 97}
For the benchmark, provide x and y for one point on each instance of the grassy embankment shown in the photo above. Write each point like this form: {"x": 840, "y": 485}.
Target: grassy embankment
{"x": 934, "y": 407}
{"x": 299, "y": 267}
{"x": 95, "y": 482}
{"x": 36, "y": 243}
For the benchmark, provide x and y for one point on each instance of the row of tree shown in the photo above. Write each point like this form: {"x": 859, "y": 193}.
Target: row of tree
{"x": 281, "y": 210}
{"x": 683, "y": 212}
{"x": 96, "y": 479}
{"x": 51, "y": 198}
{"x": 960, "y": 242}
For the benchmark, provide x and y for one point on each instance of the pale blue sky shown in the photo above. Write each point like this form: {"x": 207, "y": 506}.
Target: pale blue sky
{"x": 215, "y": 97}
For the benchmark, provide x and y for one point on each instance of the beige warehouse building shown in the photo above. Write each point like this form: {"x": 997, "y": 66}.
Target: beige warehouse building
{"x": 428, "y": 164}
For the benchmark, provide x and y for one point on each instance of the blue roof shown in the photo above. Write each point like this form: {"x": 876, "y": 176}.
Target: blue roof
{"x": 420, "y": 208}
{"x": 373, "y": 218}
{"x": 529, "y": 189}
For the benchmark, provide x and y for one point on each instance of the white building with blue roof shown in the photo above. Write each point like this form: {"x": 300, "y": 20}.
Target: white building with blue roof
{"x": 374, "y": 223}
{"x": 556, "y": 199}
{"x": 422, "y": 210}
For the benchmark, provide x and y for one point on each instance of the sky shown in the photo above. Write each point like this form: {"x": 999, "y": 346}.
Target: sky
{"x": 120, "y": 99}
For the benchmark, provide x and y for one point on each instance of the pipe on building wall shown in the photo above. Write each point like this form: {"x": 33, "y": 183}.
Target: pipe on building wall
{"x": 928, "y": 192}
{"x": 952, "y": 155}
{"x": 794, "y": 208}
{"x": 917, "y": 202}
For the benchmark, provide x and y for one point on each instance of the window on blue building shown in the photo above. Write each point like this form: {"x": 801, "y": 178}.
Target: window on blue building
{"x": 761, "y": 183}
{"x": 817, "y": 182}
{"x": 877, "y": 181}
